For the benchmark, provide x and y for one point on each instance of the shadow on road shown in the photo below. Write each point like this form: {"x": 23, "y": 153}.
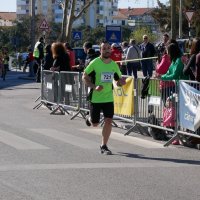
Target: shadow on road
{"x": 139, "y": 156}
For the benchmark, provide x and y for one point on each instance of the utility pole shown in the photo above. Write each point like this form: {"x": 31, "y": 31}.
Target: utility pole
{"x": 173, "y": 19}
{"x": 32, "y": 24}
{"x": 180, "y": 19}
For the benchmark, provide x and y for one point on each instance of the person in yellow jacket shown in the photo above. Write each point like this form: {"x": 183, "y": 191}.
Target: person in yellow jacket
{"x": 38, "y": 55}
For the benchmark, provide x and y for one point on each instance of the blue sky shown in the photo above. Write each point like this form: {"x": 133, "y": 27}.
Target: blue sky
{"x": 10, "y": 5}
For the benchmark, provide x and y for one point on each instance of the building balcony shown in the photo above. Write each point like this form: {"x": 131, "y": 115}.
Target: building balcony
{"x": 21, "y": 12}
{"x": 101, "y": 3}
{"x": 20, "y": 2}
{"x": 101, "y": 12}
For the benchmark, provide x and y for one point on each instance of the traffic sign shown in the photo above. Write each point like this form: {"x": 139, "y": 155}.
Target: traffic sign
{"x": 44, "y": 25}
{"x": 77, "y": 35}
{"x": 189, "y": 14}
{"x": 113, "y": 34}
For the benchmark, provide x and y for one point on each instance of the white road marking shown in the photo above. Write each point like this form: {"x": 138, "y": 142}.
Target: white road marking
{"x": 27, "y": 167}
{"x": 128, "y": 139}
{"x": 19, "y": 142}
{"x": 68, "y": 138}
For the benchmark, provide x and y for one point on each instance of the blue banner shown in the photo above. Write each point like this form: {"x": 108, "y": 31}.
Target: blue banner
{"x": 113, "y": 34}
{"x": 189, "y": 107}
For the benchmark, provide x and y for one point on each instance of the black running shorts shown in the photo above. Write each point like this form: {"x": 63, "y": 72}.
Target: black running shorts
{"x": 97, "y": 108}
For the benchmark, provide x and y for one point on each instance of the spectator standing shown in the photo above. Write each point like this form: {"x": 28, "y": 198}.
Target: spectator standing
{"x": 87, "y": 45}
{"x": 5, "y": 61}
{"x": 30, "y": 62}
{"x": 148, "y": 50}
{"x": 133, "y": 52}
{"x": 2, "y": 66}
{"x": 124, "y": 52}
{"x": 19, "y": 60}
{"x": 38, "y": 55}
{"x": 61, "y": 58}
{"x": 175, "y": 71}
{"x": 162, "y": 46}
{"x": 48, "y": 58}
{"x": 161, "y": 69}
{"x": 105, "y": 71}
{"x": 190, "y": 67}
{"x": 91, "y": 55}
{"x": 116, "y": 54}
{"x": 71, "y": 54}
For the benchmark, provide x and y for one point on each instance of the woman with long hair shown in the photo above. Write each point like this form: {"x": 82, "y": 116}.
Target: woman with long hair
{"x": 60, "y": 57}
{"x": 175, "y": 72}
{"x": 190, "y": 68}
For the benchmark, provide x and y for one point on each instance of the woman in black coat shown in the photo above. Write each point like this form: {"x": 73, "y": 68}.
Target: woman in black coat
{"x": 61, "y": 58}
{"x": 48, "y": 58}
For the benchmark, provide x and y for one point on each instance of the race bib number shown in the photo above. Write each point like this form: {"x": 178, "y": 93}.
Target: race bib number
{"x": 107, "y": 77}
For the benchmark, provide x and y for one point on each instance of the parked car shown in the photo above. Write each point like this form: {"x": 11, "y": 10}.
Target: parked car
{"x": 96, "y": 47}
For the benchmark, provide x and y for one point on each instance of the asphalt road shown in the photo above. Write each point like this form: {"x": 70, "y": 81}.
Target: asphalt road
{"x": 50, "y": 157}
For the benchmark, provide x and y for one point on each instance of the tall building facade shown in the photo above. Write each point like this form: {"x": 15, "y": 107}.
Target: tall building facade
{"x": 100, "y": 13}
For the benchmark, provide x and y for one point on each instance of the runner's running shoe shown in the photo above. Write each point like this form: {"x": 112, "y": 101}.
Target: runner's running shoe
{"x": 104, "y": 150}
{"x": 87, "y": 120}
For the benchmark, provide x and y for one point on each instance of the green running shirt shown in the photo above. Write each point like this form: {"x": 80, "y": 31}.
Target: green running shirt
{"x": 104, "y": 75}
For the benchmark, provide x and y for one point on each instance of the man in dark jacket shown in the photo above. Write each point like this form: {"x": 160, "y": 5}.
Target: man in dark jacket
{"x": 148, "y": 50}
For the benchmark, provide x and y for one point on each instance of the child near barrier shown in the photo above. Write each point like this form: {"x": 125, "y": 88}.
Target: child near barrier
{"x": 169, "y": 115}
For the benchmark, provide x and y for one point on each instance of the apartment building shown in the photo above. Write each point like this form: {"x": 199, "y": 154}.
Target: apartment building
{"x": 100, "y": 13}
{"x": 136, "y": 17}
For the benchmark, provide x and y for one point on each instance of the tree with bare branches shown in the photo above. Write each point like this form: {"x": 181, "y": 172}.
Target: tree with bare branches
{"x": 70, "y": 15}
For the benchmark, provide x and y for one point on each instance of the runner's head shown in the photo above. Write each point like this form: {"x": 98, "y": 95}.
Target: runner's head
{"x": 105, "y": 50}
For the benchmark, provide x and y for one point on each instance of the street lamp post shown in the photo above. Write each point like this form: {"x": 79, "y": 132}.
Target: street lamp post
{"x": 32, "y": 23}
{"x": 180, "y": 19}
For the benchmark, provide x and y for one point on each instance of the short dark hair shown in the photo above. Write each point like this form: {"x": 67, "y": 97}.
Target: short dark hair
{"x": 41, "y": 39}
{"x": 87, "y": 45}
{"x": 90, "y": 51}
{"x": 166, "y": 35}
{"x": 125, "y": 44}
{"x": 67, "y": 45}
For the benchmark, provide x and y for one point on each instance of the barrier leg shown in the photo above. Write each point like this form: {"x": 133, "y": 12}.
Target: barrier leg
{"x": 38, "y": 106}
{"x": 79, "y": 112}
{"x": 114, "y": 123}
{"x": 58, "y": 107}
{"x": 130, "y": 130}
{"x": 37, "y": 98}
{"x": 176, "y": 136}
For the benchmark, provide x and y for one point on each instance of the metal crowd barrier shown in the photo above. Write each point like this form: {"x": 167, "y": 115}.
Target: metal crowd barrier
{"x": 149, "y": 108}
{"x": 183, "y": 133}
{"x": 66, "y": 91}
{"x": 69, "y": 91}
